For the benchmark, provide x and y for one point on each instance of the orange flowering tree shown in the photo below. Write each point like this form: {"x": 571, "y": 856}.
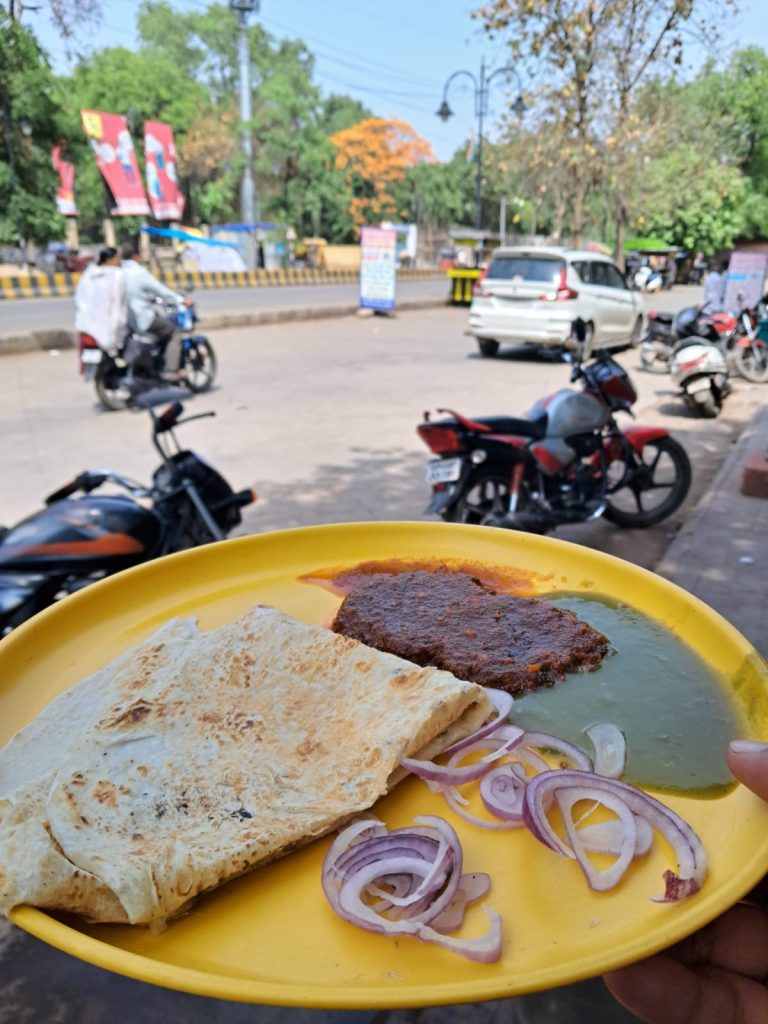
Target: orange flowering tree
{"x": 372, "y": 155}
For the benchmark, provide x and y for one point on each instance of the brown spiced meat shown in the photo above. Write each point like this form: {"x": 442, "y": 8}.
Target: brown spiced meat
{"x": 456, "y": 622}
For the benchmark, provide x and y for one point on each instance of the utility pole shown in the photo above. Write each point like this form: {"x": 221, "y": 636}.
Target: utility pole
{"x": 248, "y": 204}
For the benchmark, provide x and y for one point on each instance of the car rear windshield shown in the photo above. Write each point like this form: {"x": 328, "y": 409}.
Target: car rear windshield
{"x": 541, "y": 269}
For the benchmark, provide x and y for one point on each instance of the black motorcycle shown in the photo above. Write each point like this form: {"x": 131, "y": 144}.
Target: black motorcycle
{"x": 567, "y": 461}
{"x": 109, "y": 373}
{"x": 80, "y": 537}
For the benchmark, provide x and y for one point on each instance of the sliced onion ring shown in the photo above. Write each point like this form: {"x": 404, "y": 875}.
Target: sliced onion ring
{"x": 610, "y": 746}
{"x": 454, "y": 776}
{"x": 502, "y": 703}
{"x": 544, "y": 741}
{"x": 688, "y": 848}
{"x": 436, "y": 893}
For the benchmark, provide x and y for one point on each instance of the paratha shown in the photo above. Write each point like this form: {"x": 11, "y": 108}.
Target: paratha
{"x": 197, "y": 756}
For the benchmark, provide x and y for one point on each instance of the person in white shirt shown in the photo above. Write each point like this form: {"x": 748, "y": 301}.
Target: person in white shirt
{"x": 101, "y": 303}
{"x": 714, "y": 288}
{"x": 143, "y": 290}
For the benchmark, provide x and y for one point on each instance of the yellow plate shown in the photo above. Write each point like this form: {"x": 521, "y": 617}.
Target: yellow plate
{"x": 270, "y": 937}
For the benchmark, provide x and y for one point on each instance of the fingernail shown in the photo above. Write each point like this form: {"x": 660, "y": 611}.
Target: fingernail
{"x": 748, "y": 747}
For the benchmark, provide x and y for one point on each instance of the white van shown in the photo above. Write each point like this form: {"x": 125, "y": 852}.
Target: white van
{"x": 531, "y": 296}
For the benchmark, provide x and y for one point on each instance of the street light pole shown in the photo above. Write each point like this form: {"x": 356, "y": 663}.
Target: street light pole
{"x": 481, "y": 89}
{"x": 248, "y": 209}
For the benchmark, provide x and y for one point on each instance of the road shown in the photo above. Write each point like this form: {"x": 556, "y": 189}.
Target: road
{"x": 21, "y": 315}
{"x": 320, "y": 417}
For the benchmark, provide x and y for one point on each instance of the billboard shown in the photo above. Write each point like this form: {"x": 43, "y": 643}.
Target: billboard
{"x": 165, "y": 197}
{"x": 745, "y": 283}
{"x": 111, "y": 142}
{"x": 378, "y": 267}
{"x": 65, "y": 193}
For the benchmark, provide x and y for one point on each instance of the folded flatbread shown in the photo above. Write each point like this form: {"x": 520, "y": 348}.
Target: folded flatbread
{"x": 197, "y": 756}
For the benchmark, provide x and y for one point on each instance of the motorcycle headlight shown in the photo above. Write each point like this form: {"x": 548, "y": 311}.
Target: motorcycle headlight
{"x": 478, "y": 455}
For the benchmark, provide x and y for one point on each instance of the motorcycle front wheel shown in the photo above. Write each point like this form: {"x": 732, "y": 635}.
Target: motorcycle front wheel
{"x": 648, "y": 486}
{"x": 110, "y": 384}
{"x": 752, "y": 363}
{"x": 199, "y": 362}
{"x": 652, "y": 359}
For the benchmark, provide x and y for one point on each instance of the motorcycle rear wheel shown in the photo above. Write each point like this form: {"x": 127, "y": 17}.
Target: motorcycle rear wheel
{"x": 662, "y": 466}
{"x": 752, "y": 363}
{"x": 199, "y": 362}
{"x": 110, "y": 385}
{"x": 486, "y": 493}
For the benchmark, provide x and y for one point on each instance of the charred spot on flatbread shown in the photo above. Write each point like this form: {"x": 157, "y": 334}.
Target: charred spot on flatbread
{"x": 461, "y": 624}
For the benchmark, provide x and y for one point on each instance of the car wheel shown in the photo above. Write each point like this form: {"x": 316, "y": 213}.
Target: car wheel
{"x": 488, "y": 347}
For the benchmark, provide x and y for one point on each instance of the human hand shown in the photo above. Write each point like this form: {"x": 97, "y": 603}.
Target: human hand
{"x": 717, "y": 975}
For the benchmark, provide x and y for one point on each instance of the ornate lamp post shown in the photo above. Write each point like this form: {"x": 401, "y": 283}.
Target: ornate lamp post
{"x": 481, "y": 87}
{"x": 247, "y": 192}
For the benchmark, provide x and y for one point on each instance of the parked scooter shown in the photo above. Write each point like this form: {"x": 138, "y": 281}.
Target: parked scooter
{"x": 80, "y": 537}
{"x": 567, "y": 461}
{"x": 197, "y": 364}
{"x": 699, "y": 367}
{"x": 666, "y": 330}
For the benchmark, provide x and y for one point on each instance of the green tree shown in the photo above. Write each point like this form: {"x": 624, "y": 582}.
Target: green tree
{"x": 31, "y": 123}
{"x": 595, "y": 56}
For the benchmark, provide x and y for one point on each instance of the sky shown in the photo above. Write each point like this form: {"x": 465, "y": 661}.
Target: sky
{"x": 395, "y": 57}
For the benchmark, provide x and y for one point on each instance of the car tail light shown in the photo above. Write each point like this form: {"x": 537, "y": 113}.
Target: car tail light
{"x": 479, "y": 289}
{"x": 563, "y": 292}
{"x": 440, "y": 439}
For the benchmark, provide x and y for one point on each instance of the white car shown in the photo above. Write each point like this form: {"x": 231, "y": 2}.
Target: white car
{"x": 531, "y": 296}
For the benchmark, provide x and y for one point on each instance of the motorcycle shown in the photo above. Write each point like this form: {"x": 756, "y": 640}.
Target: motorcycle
{"x": 80, "y": 536}
{"x": 666, "y": 330}
{"x": 737, "y": 336}
{"x": 566, "y": 462}
{"x": 109, "y": 373}
{"x": 699, "y": 368}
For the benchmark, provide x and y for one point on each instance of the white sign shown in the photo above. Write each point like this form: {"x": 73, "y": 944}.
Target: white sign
{"x": 378, "y": 266}
{"x": 745, "y": 283}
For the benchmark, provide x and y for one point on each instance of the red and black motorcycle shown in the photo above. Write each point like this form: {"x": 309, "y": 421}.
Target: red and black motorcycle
{"x": 80, "y": 536}
{"x": 566, "y": 462}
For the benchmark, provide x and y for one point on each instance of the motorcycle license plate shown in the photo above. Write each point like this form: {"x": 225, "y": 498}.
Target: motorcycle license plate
{"x": 443, "y": 471}
{"x": 91, "y": 355}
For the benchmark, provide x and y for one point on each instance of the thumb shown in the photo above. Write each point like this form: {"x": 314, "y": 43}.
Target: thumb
{"x": 748, "y": 760}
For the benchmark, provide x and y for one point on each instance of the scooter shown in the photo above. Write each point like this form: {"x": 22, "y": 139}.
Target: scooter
{"x": 699, "y": 368}
{"x": 109, "y": 373}
{"x": 80, "y": 536}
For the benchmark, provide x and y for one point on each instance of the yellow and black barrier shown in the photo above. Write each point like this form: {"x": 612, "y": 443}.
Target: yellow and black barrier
{"x": 462, "y": 282}
{"x": 35, "y": 286}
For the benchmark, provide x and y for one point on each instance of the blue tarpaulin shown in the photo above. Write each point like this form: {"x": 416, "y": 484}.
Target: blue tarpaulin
{"x": 185, "y": 236}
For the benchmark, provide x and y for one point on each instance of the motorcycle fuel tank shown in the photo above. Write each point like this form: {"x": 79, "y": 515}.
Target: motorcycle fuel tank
{"x": 82, "y": 535}
{"x": 570, "y": 412}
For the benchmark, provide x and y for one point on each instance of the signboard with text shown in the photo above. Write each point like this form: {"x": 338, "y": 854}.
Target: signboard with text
{"x": 745, "y": 283}
{"x": 65, "y": 193}
{"x": 378, "y": 266}
{"x": 113, "y": 147}
{"x": 165, "y": 197}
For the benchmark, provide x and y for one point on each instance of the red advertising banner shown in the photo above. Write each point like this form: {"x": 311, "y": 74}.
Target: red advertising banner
{"x": 111, "y": 142}
{"x": 65, "y": 193}
{"x": 165, "y": 197}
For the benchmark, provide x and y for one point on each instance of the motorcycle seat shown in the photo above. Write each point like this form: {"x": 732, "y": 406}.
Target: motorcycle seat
{"x": 694, "y": 339}
{"x": 515, "y": 426}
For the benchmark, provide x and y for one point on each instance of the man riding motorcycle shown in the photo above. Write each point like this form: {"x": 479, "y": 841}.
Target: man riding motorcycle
{"x": 152, "y": 332}
{"x": 101, "y": 305}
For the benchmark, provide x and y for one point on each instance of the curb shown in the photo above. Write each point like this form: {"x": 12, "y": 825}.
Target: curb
{"x": 32, "y": 341}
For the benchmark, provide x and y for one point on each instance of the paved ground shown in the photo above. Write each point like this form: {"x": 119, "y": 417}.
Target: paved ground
{"x": 21, "y": 315}
{"x": 321, "y": 417}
